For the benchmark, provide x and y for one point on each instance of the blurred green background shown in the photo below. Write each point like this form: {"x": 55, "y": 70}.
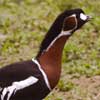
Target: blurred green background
{"x": 23, "y": 24}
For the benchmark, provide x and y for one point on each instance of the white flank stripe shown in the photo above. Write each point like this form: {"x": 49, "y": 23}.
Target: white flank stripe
{"x": 25, "y": 83}
{"x": 18, "y": 86}
{"x": 43, "y": 73}
{"x": 1, "y": 89}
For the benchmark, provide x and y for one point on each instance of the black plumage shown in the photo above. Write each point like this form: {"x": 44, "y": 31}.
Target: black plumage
{"x": 21, "y": 71}
{"x": 25, "y": 80}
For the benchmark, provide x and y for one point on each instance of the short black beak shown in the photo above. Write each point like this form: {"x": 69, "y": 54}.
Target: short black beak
{"x": 89, "y": 18}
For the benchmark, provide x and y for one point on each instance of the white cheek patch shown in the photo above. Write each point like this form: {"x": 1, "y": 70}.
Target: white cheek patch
{"x": 83, "y": 16}
{"x": 17, "y": 86}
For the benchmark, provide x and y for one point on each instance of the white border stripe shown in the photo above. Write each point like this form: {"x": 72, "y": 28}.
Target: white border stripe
{"x": 44, "y": 74}
{"x": 60, "y": 35}
{"x": 63, "y": 33}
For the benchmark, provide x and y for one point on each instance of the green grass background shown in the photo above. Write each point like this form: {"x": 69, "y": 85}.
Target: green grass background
{"x": 23, "y": 24}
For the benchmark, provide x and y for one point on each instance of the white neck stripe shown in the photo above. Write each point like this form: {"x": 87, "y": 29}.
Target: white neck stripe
{"x": 60, "y": 35}
{"x": 43, "y": 73}
{"x": 63, "y": 33}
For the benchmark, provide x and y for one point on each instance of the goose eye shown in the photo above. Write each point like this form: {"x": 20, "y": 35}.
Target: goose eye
{"x": 83, "y": 17}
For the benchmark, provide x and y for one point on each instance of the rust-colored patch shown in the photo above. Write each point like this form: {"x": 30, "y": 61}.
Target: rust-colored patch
{"x": 69, "y": 23}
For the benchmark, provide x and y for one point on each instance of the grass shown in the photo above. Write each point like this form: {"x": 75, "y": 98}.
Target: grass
{"x": 23, "y": 24}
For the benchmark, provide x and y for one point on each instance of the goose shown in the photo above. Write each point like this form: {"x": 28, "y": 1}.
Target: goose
{"x": 34, "y": 79}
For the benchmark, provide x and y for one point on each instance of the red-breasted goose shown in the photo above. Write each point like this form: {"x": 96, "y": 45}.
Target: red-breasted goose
{"x": 34, "y": 79}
